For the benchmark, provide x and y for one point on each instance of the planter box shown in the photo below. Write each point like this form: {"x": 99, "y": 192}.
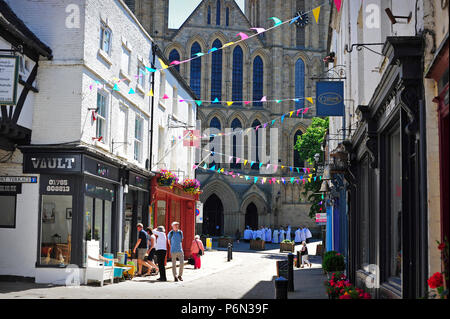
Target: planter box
{"x": 224, "y": 241}
{"x": 257, "y": 244}
{"x": 287, "y": 247}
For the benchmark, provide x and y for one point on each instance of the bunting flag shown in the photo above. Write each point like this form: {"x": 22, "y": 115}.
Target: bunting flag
{"x": 164, "y": 66}
{"x": 150, "y": 93}
{"x": 131, "y": 91}
{"x": 242, "y": 35}
{"x": 338, "y": 3}
{"x": 264, "y": 99}
{"x": 258, "y": 30}
{"x": 228, "y": 44}
{"x": 316, "y": 12}
{"x": 276, "y": 21}
{"x": 116, "y": 87}
{"x": 165, "y": 97}
{"x": 150, "y": 69}
{"x": 309, "y": 99}
{"x": 229, "y": 103}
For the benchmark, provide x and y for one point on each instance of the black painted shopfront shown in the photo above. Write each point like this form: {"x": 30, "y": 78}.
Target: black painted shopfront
{"x": 78, "y": 201}
{"x": 387, "y": 193}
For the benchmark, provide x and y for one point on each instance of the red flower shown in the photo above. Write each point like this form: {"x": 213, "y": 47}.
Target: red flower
{"x": 366, "y": 296}
{"x": 345, "y": 297}
{"x": 441, "y": 246}
{"x": 436, "y": 280}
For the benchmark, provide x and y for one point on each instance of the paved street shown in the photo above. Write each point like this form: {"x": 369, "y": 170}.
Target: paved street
{"x": 249, "y": 275}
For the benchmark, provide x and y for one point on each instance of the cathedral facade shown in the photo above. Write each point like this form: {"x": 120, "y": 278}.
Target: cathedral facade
{"x": 277, "y": 64}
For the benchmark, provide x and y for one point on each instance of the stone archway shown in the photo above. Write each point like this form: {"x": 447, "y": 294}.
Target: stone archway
{"x": 251, "y": 216}
{"x": 213, "y": 219}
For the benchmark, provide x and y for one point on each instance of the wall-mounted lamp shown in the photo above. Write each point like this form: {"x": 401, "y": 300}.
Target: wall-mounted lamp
{"x": 394, "y": 18}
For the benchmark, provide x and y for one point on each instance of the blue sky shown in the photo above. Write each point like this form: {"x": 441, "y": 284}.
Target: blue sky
{"x": 179, "y": 10}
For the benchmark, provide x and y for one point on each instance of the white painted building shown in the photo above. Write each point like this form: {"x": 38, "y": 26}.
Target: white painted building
{"x": 91, "y": 135}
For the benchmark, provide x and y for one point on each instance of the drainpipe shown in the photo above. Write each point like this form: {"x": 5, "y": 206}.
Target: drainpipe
{"x": 152, "y": 106}
{"x": 423, "y": 198}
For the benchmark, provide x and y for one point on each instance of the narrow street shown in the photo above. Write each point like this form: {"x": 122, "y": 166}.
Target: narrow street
{"x": 249, "y": 275}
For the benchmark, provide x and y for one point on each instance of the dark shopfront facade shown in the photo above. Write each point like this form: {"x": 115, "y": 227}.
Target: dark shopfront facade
{"x": 78, "y": 201}
{"x": 387, "y": 186}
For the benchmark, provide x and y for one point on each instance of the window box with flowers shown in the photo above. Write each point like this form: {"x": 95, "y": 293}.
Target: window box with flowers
{"x": 191, "y": 186}
{"x": 339, "y": 287}
{"x": 167, "y": 178}
{"x": 287, "y": 245}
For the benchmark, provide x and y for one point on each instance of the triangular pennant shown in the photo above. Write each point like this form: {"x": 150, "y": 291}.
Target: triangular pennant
{"x": 229, "y": 103}
{"x": 338, "y": 4}
{"x": 278, "y": 101}
{"x": 258, "y": 30}
{"x": 316, "y": 12}
{"x": 264, "y": 99}
{"x": 276, "y": 20}
{"x": 228, "y": 44}
{"x": 116, "y": 87}
{"x": 150, "y": 69}
{"x": 198, "y": 102}
{"x": 242, "y": 35}
{"x": 213, "y": 168}
{"x": 310, "y": 100}
{"x": 216, "y": 100}
{"x": 245, "y": 162}
{"x": 246, "y": 102}
{"x": 150, "y": 93}
{"x": 238, "y": 160}
{"x": 164, "y": 66}
{"x": 290, "y": 113}
{"x": 199, "y": 54}
{"x": 165, "y": 97}
{"x": 282, "y": 118}
{"x": 294, "y": 19}
{"x": 273, "y": 121}
{"x": 260, "y": 164}
{"x": 212, "y": 49}
{"x": 131, "y": 91}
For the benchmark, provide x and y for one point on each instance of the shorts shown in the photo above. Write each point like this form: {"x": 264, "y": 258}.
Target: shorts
{"x": 151, "y": 255}
{"x": 141, "y": 253}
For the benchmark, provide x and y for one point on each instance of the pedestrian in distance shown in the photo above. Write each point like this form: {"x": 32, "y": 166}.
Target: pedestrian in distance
{"x": 304, "y": 254}
{"x": 141, "y": 247}
{"x": 151, "y": 249}
{"x": 197, "y": 251}
{"x": 237, "y": 235}
{"x": 175, "y": 237}
{"x": 161, "y": 250}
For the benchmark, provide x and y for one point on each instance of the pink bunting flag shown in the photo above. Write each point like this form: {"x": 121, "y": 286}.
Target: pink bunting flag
{"x": 258, "y": 30}
{"x": 175, "y": 62}
{"x": 257, "y": 127}
{"x": 195, "y": 166}
{"x": 306, "y": 110}
{"x": 268, "y": 165}
{"x": 230, "y": 158}
{"x": 246, "y": 102}
{"x": 264, "y": 99}
{"x": 242, "y": 35}
{"x": 237, "y": 160}
{"x": 165, "y": 97}
{"x": 338, "y": 3}
{"x": 275, "y": 167}
{"x": 308, "y": 170}
{"x": 181, "y": 100}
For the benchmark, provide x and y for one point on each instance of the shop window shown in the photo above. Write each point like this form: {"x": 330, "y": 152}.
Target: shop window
{"x": 8, "y": 211}
{"x": 394, "y": 230}
{"x": 138, "y": 138}
{"x": 101, "y": 117}
{"x": 105, "y": 38}
{"x": 161, "y": 211}
{"x": 56, "y": 229}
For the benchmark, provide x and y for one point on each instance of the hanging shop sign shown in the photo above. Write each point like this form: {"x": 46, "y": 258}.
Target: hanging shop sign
{"x": 321, "y": 218}
{"x": 52, "y": 163}
{"x": 9, "y": 71}
{"x": 330, "y": 98}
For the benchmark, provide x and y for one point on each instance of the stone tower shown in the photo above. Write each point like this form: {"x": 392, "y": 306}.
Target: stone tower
{"x": 287, "y": 56}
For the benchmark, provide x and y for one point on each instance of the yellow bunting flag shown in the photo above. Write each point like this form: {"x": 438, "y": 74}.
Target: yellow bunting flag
{"x": 245, "y": 162}
{"x": 228, "y": 44}
{"x": 316, "y": 12}
{"x": 290, "y": 113}
{"x": 278, "y": 181}
{"x": 164, "y": 66}
{"x": 309, "y": 99}
{"x": 150, "y": 93}
{"x": 229, "y": 103}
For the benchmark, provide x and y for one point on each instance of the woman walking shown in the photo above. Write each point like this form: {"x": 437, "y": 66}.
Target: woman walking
{"x": 197, "y": 250}
{"x": 304, "y": 254}
{"x": 152, "y": 250}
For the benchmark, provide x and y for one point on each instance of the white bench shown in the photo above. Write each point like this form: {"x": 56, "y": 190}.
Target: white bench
{"x": 95, "y": 264}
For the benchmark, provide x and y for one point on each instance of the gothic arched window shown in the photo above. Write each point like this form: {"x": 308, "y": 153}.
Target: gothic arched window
{"x": 256, "y": 147}
{"x": 209, "y": 15}
{"x": 236, "y": 124}
{"x": 174, "y": 55}
{"x": 300, "y": 83}
{"x": 238, "y": 64}
{"x": 196, "y": 69}
{"x": 258, "y": 80}
{"x": 227, "y": 17}
{"x": 215, "y": 123}
{"x": 216, "y": 71}
{"x": 297, "y": 159}
{"x": 218, "y": 13}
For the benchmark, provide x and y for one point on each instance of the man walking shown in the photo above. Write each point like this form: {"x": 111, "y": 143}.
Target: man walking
{"x": 141, "y": 246}
{"x": 175, "y": 237}
{"x": 161, "y": 249}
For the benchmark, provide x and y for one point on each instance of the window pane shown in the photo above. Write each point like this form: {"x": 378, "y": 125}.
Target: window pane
{"x": 108, "y": 226}
{"x": 216, "y": 72}
{"x": 237, "y": 75}
{"x": 364, "y": 214}
{"x": 8, "y": 211}
{"x": 125, "y": 61}
{"x": 196, "y": 69}
{"x": 297, "y": 159}
{"x": 300, "y": 83}
{"x": 56, "y": 229}
{"x": 218, "y": 13}
{"x": 161, "y": 219}
{"x": 174, "y": 56}
{"x": 258, "y": 80}
{"x": 98, "y": 221}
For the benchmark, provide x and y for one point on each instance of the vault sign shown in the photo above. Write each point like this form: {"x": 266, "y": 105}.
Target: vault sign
{"x": 52, "y": 163}
{"x": 330, "y": 98}
{"x": 9, "y": 70}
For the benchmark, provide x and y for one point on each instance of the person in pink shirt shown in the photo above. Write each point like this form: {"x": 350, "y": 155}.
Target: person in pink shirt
{"x": 197, "y": 250}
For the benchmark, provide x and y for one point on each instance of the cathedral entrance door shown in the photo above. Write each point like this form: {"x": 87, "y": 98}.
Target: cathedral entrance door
{"x": 213, "y": 216}
{"x": 251, "y": 216}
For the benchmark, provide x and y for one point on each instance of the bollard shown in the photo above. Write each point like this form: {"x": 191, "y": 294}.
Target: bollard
{"x": 290, "y": 272}
{"x": 298, "y": 260}
{"x": 230, "y": 252}
{"x": 281, "y": 288}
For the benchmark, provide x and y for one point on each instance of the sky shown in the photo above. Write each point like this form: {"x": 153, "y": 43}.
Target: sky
{"x": 179, "y": 11}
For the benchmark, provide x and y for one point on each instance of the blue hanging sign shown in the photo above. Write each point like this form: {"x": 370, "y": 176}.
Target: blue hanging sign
{"x": 330, "y": 98}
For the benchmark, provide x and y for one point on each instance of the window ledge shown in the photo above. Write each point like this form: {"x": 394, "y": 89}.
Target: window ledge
{"x": 140, "y": 88}
{"x": 125, "y": 75}
{"x": 101, "y": 145}
{"x": 162, "y": 105}
{"x": 105, "y": 56}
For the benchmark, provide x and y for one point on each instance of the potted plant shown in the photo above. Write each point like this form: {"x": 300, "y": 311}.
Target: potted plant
{"x": 257, "y": 244}
{"x": 333, "y": 262}
{"x": 167, "y": 178}
{"x": 191, "y": 186}
{"x": 339, "y": 287}
{"x": 224, "y": 241}
{"x": 287, "y": 245}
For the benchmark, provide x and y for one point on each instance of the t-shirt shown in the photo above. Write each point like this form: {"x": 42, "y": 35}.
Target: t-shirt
{"x": 176, "y": 239}
{"x": 161, "y": 240}
{"x": 150, "y": 241}
{"x": 144, "y": 238}
{"x": 304, "y": 252}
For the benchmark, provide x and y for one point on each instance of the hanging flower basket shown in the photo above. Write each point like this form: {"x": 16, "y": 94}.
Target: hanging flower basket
{"x": 167, "y": 178}
{"x": 191, "y": 186}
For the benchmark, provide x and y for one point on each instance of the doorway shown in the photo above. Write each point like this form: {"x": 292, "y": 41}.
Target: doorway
{"x": 251, "y": 216}
{"x": 213, "y": 216}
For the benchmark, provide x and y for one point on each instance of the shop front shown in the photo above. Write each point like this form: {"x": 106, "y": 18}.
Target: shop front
{"x": 77, "y": 202}
{"x": 169, "y": 204}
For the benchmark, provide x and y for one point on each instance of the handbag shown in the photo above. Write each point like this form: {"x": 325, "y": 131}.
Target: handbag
{"x": 191, "y": 261}
{"x": 200, "y": 252}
